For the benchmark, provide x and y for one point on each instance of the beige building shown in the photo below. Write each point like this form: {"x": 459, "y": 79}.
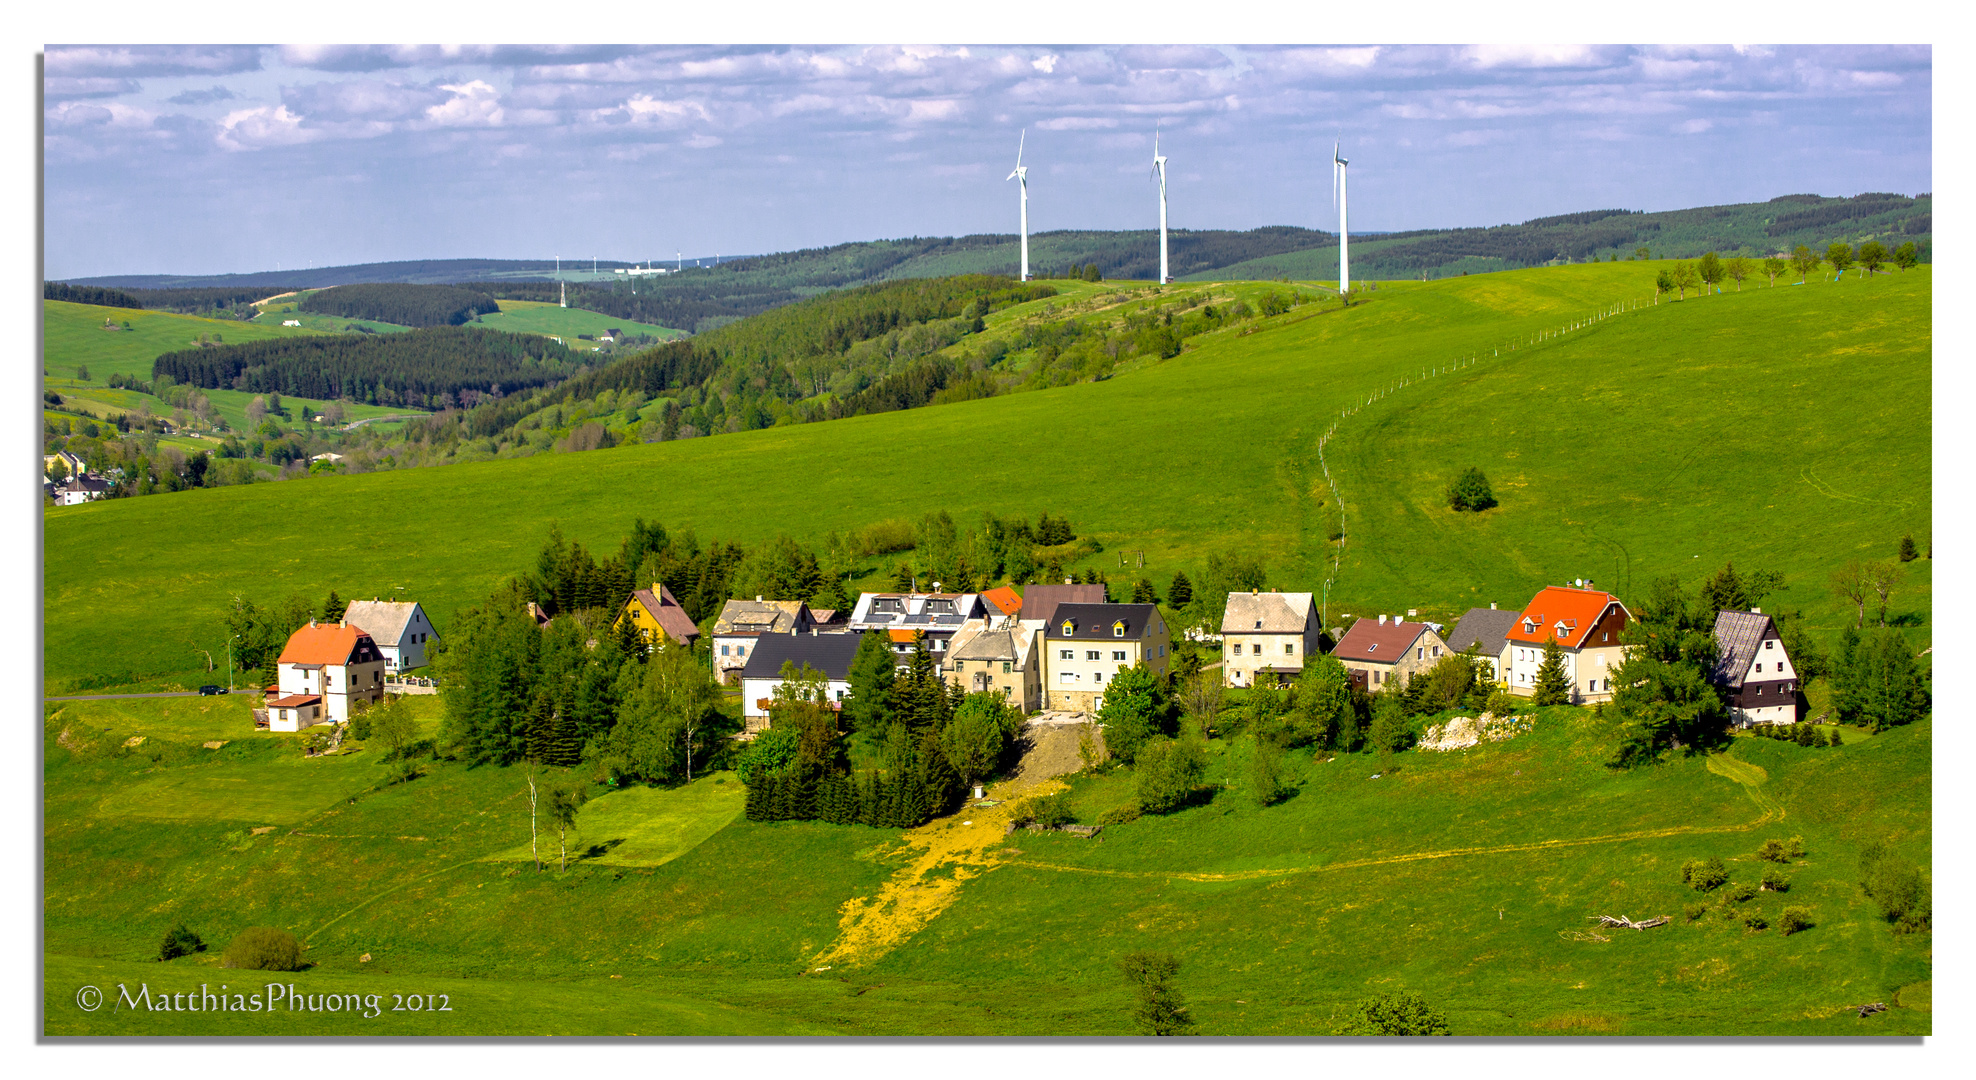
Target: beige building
{"x": 1267, "y": 634}
{"x": 1585, "y": 623}
{"x": 998, "y": 654}
{"x": 1387, "y": 652}
{"x": 1086, "y": 645}
{"x": 741, "y": 625}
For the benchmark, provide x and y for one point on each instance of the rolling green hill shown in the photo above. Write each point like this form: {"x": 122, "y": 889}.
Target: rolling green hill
{"x": 72, "y": 335}
{"x": 1211, "y": 451}
{"x": 541, "y": 317}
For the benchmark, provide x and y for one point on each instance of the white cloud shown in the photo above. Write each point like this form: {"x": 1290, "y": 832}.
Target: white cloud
{"x": 1045, "y": 64}
{"x": 1078, "y": 123}
{"x": 474, "y": 104}
{"x": 646, "y": 109}
{"x": 1532, "y": 56}
{"x": 263, "y": 126}
{"x": 1693, "y": 127}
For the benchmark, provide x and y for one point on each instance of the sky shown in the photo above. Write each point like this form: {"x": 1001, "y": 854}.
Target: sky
{"x": 233, "y": 158}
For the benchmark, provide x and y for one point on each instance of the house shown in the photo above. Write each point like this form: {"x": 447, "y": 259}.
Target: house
{"x": 999, "y": 654}
{"x": 1486, "y": 631}
{"x": 1585, "y": 623}
{"x": 75, "y": 465}
{"x": 80, "y": 489}
{"x": 658, "y": 617}
{"x": 1267, "y": 634}
{"x": 400, "y": 630}
{"x": 1003, "y": 599}
{"x": 1388, "y": 651}
{"x": 1039, "y": 602}
{"x": 291, "y": 322}
{"x": 322, "y": 671}
{"x": 829, "y": 654}
{"x": 741, "y": 622}
{"x": 332, "y": 458}
{"x": 934, "y": 617}
{"x": 1085, "y": 646}
{"x": 1755, "y": 668}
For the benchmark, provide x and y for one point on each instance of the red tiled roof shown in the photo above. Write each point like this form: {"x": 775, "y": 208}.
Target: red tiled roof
{"x": 1561, "y": 608}
{"x": 294, "y": 700}
{"x": 1004, "y": 598}
{"x": 1370, "y": 641}
{"x": 904, "y": 637}
{"x": 328, "y": 644}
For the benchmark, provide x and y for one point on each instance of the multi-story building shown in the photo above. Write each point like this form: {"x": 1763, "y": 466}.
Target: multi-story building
{"x": 399, "y": 629}
{"x": 998, "y": 654}
{"x": 743, "y": 622}
{"x": 1753, "y": 665}
{"x": 1585, "y": 623}
{"x": 1387, "y": 652}
{"x": 1086, "y": 645}
{"x": 321, "y": 673}
{"x": 909, "y": 617}
{"x": 1267, "y": 635}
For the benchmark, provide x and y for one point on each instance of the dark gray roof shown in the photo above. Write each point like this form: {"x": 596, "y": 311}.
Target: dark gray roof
{"x": 1738, "y": 635}
{"x": 828, "y": 653}
{"x": 1094, "y": 621}
{"x": 1486, "y": 628}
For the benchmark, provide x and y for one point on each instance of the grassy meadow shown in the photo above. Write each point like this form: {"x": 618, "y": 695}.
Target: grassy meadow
{"x": 551, "y": 320}
{"x": 1638, "y": 443}
{"x": 1468, "y": 877}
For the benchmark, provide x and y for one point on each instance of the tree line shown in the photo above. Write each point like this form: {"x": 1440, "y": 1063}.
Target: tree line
{"x": 428, "y": 367}
{"x": 88, "y": 294}
{"x": 404, "y": 305}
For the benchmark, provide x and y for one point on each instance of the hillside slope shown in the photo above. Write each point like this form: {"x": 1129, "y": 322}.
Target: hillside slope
{"x": 1212, "y": 451}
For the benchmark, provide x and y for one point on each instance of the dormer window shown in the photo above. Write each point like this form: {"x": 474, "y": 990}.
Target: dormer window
{"x": 1118, "y": 629}
{"x": 1529, "y": 627}
{"x": 1069, "y": 628}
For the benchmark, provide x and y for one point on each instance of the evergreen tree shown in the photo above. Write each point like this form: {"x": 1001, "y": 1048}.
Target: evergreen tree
{"x": 1144, "y": 593}
{"x": 1893, "y": 691}
{"x": 334, "y": 607}
{"x": 1181, "y": 592}
{"x": 1908, "y": 553}
{"x": 868, "y": 709}
{"x": 1553, "y": 688}
{"x": 902, "y": 578}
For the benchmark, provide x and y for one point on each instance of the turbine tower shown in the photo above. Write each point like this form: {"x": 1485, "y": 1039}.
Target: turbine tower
{"x": 1021, "y": 177}
{"x": 1159, "y": 170}
{"x": 1338, "y": 193}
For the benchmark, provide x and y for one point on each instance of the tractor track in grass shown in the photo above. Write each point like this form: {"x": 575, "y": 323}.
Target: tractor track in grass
{"x": 1750, "y": 776}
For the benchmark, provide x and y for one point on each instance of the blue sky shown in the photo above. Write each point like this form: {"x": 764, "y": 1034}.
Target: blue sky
{"x": 191, "y": 159}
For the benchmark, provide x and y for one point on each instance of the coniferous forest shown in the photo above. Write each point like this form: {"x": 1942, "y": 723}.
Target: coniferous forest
{"x": 405, "y": 305}
{"x": 418, "y": 368}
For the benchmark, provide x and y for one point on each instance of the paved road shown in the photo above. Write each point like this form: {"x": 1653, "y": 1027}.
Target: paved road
{"x": 113, "y": 697}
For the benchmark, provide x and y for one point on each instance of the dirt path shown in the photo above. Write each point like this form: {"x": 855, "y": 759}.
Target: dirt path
{"x": 947, "y": 853}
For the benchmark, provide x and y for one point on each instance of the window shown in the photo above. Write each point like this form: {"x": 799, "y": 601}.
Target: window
{"x": 1238, "y": 650}
{"x": 1092, "y": 654}
{"x": 1118, "y": 654}
{"x": 1759, "y": 668}
{"x": 1376, "y": 677}
{"x": 723, "y": 650}
{"x": 1374, "y": 647}
{"x": 1759, "y": 691}
{"x": 1770, "y": 644}
{"x": 740, "y": 650}
{"x": 1005, "y": 670}
{"x": 1290, "y": 648}
{"x": 1098, "y": 677}
{"x": 1069, "y": 677}
{"x": 1066, "y": 654}
{"x": 1605, "y": 635}
{"x": 1069, "y": 628}
{"x": 1118, "y": 629}
{"x": 1437, "y": 650}
{"x": 1419, "y": 653}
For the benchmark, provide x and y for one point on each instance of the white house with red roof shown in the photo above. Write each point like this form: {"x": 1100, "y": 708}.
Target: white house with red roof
{"x": 1585, "y": 622}
{"x": 321, "y": 673}
{"x": 1388, "y": 651}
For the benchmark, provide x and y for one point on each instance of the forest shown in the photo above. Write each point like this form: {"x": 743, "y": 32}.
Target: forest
{"x": 433, "y": 368}
{"x": 231, "y": 301}
{"x": 88, "y": 294}
{"x": 405, "y": 305}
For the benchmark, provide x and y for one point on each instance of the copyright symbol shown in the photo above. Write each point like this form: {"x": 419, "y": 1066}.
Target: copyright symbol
{"x": 89, "y": 999}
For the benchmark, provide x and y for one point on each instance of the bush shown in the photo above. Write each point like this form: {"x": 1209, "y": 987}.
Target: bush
{"x": 1169, "y": 771}
{"x": 1899, "y": 887}
{"x": 178, "y": 942}
{"x": 1470, "y": 491}
{"x": 1773, "y": 851}
{"x": 1704, "y": 875}
{"x": 1775, "y": 881}
{"x": 1267, "y": 784}
{"x": 1695, "y": 911}
{"x": 1048, "y": 811}
{"x": 1119, "y": 815}
{"x": 1793, "y": 920}
{"x": 1754, "y": 920}
{"x": 263, "y": 948}
{"x": 360, "y": 724}
{"x": 1406, "y": 1013}
{"x": 1504, "y": 703}
{"x": 1741, "y": 893}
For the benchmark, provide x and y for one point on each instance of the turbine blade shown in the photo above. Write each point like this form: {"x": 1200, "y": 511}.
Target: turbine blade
{"x": 1020, "y": 140}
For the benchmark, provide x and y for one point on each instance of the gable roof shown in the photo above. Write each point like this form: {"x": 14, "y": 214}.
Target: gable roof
{"x": 829, "y": 653}
{"x": 324, "y": 644}
{"x": 935, "y": 612}
{"x": 1094, "y": 621}
{"x": 758, "y": 617}
{"x": 1485, "y": 628}
{"x": 1040, "y": 601}
{"x": 997, "y": 644}
{"x": 1561, "y": 608}
{"x": 1266, "y": 613}
{"x": 384, "y": 620}
{"x": 1370, "y": 642}
{"x": 1004, "y": 600}
{"x": 1738, "y": 635}
{"x": 666, "y": 610}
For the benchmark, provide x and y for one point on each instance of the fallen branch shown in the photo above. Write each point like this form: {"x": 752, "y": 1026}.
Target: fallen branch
{"x": 1645, "y": 924}
{"x": 1868, "y": 1010}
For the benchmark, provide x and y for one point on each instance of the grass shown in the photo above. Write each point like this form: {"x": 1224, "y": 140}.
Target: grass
{"x": 648, "y": 826}
{"x": 551, "y": 320}
{"x": 1214, "y": 450}
{"x": 1465, "y": 876}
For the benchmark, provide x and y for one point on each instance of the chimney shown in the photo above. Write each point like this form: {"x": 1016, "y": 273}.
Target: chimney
{"x": 1068, "y": 581}
{"x": 758, "y": 598}
{"x": 1756, "y": 611}
{"x": 1382, "y": 620}
{"x": 1492, "y": 605}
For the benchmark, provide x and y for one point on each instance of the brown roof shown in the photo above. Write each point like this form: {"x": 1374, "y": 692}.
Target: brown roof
{"x": 1369, "y": 641}
{"x": 1040, "y": 601}
{"x": 667, "y": 612}
{"x": 326, "y": 644}
{"x": 294, "y": 700}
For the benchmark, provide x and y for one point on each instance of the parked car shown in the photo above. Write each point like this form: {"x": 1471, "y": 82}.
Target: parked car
{"x": 210, "y": 690}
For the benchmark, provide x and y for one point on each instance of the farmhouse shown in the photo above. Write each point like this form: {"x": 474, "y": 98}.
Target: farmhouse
{"x": 998, "y": 654}
{"x": 1383, "y": 652}
{"x": 658, "y": 617}
{"x": 321, "y": 673}
{"x": 935, "y": 617}
{"x": 1585, "y": 623}
{"x": 743, "y": 622}
{"x": 77, "y": 490}
{"x": 1086, "y": 645}
{"x": 829, "y": 654}
{"x": 1755, "y": 668}
{"x": 1484, "y": 631}
{"x": 1267, "y": 635}
{"x": 400, "y": 630}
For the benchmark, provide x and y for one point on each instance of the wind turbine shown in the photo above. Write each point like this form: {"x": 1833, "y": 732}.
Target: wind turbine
{"x": 1159, "y": 170}
{"x": 1021, "y": 177}
{"x": 1338, "y": 164}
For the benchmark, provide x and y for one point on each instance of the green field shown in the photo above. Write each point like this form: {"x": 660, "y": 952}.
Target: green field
{"x": 550, "y": 320}
{"x": 1468, "y": 877}
{"x": 1214, "y": 450}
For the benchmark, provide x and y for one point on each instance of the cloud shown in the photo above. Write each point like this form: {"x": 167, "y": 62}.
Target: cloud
{"x": 646, "y": 109}
{"x": 368, "y": 58}
{"x": 1078, "y": 123}
{"x": 474, "y": 104}
{"x": 151, "y": 60}
{"x": 1693, "y": 127}
{"x": 263, "y": 126}
{"x": 1533, "y": 56}
{"x": 1172, "y": 58}
{"x": 362, "y": 99}
{"x": 66, "y": 87}
{"x": 202, "y": 97}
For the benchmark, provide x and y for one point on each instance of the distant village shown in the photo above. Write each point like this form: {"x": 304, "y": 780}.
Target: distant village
{"x": 1052, "y": 649}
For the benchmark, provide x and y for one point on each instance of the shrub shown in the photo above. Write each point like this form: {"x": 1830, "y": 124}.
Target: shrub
{"x": 1048, "y": 811}
{"x": 1157, "y": 1007}
{"x": 1793, "y": 920}
{"x": 1703, "y": 875}
{"x": 1794, "y": 847}
{"x": 263, "y": 948}
{"x": 1504, "y": 703}
{"x": 1773, "y": 851}
{"x": 360, "y": 724}
{"x": 178, "y": 942}
{"x": 1470, "y": 491}
{"x": 1169, "y": 771}
{"x": 1695, "y": 911}
{"x": 1119, "y": 815}
{"x": 1754, "y": 920}
{"x": 1899, "y": 887}
{"x": 1741, "y": 893}
{"x": 1405, "y": 1013}
{"x": 1267, "y": 784}
{"x": 1775, "y": 881}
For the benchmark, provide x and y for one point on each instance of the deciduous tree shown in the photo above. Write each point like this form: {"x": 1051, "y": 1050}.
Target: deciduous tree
{"x": 1840, "y": 255}
{"x": 1872, "y": 256}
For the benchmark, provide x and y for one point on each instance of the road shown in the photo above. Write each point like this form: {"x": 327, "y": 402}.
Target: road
{"x": 113, "y": 697}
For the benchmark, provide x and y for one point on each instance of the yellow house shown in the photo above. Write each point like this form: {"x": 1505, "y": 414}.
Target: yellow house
{"x": 658, "y": 617}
